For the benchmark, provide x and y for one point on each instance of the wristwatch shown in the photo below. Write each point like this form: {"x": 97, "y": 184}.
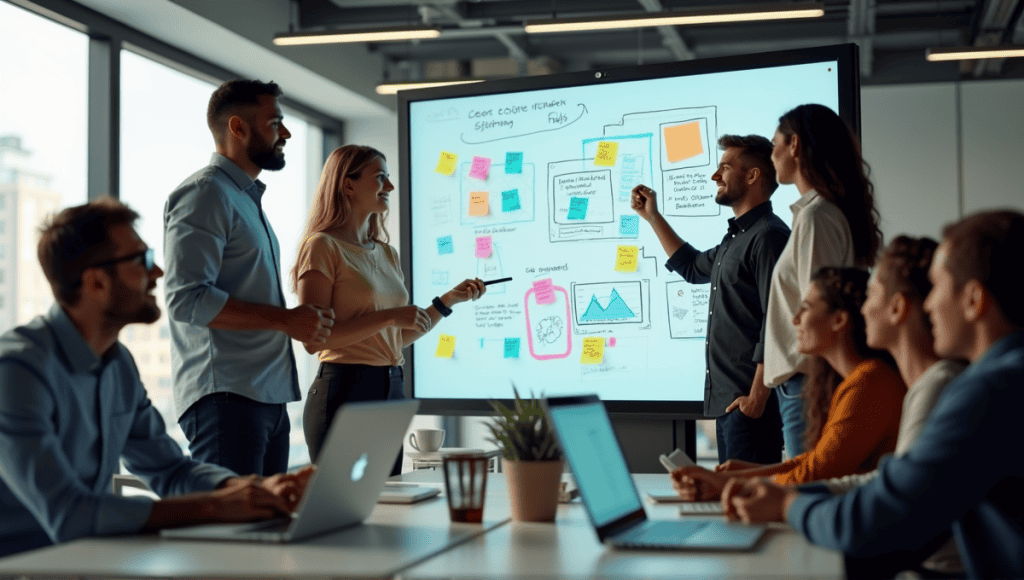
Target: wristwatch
{"x": 444, "y": 310}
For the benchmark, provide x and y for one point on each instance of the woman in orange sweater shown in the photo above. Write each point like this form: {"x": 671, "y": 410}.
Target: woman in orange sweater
{"x": 853, "y": 399}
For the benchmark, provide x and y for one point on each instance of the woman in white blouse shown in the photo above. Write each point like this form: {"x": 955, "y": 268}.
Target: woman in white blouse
{"x": 835, "y": 223}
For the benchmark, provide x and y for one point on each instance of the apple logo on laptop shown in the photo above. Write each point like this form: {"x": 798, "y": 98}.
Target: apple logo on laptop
{"x": 359, "y": 468}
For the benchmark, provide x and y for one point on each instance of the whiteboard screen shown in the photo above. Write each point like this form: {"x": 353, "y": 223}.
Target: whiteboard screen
{"x": 535, "y": 184}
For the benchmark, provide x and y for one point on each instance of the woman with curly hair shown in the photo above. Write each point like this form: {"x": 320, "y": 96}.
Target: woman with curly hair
{"x": 854, "y": 395}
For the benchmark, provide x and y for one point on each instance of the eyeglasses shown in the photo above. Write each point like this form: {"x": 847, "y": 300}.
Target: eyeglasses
{"x": 146, "y": 255}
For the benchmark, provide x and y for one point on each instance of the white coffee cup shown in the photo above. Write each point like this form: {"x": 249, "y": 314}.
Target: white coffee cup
{"x": 426, "y": 440}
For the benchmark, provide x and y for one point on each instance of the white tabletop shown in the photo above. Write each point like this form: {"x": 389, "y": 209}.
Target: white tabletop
{"x": 569, "y": 548}
{"x": 394, "y": 537}
{"x": 419, "y": 541}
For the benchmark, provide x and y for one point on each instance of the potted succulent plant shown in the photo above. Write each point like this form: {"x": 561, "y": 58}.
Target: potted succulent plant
{"x": 531, "y": 458}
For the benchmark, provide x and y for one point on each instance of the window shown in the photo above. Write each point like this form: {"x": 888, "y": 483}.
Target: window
{"x": 43, "y": 135}
{"x": 164, "y": 139}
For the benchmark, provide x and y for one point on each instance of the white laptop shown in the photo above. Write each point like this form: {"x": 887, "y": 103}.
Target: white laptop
{"x": 354, "y": 462}
{"x": 610, "y": 497}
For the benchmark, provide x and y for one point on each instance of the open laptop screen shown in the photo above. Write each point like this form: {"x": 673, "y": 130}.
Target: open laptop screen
{"x": 589, "y": 444}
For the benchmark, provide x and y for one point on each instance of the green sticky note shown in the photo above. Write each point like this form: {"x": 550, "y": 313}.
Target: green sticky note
{"x": 578, "y": 208}
{"x": 510, "y": 200}
{"x": 511, "y": 348}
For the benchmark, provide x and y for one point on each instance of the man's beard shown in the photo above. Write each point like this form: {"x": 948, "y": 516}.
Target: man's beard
{"x": 130, "y": 306}
{"x": 726, "y": 198}
{"x": 265, "y": 156}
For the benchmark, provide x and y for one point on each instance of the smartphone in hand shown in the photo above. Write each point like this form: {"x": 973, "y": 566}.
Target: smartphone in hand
{"x": 677, "y": 458}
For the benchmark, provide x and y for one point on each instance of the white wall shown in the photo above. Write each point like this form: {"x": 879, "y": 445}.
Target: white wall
{"x": 919, "y": 155}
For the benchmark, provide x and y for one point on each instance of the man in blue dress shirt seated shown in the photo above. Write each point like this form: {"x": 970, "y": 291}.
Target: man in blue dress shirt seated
{"x": 966, "y": 470}
{"x": 72, "y": 405}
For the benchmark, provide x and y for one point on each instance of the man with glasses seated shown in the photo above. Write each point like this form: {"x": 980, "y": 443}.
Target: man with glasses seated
{"x": 72, "y": 405}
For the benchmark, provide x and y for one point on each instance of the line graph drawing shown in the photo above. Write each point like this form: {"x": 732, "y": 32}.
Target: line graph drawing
{"x": 619, "y": 302}
{"x": 615, "y": 310}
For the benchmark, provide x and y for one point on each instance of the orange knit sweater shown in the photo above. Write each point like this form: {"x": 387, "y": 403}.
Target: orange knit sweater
{"x": 862, "y": 425}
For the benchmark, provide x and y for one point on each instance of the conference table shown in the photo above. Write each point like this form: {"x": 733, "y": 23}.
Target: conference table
{"x": 419, "y": 541}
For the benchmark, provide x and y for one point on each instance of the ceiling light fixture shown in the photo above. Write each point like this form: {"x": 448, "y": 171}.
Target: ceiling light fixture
{"x": 392, "y": 88}
{"x": 681, "y": 18}
{"x": 357, "y": 35}
{"x": 973, "y": 53}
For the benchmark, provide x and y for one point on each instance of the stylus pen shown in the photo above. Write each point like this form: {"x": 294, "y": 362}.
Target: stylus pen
{"x": 498, "y": 281}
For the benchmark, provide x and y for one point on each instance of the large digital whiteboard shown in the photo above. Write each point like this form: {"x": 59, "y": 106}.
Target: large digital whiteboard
{"x": 531, "y": 179}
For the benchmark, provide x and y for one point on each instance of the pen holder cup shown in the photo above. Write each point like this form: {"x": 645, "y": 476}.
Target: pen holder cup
{"x": 465, "y": 482}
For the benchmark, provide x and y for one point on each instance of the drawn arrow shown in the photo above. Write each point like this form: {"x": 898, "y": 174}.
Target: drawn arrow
{"x": 584, "y": 112}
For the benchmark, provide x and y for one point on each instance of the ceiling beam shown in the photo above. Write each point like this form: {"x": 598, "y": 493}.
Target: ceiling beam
{"x": 670, "y": 37}
{"x": 860, "y": 24}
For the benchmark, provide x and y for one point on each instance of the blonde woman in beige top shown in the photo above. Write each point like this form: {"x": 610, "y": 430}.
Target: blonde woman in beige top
{"x": 835, "y": 223}
{"x": 345, "y": 263}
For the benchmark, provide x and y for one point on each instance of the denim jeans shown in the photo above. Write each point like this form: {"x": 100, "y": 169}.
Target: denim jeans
{"x": 336, "y": 384}
{"x": 238, "y": 433}
{"x": 758, "y": 440}
{"x": 791, "y": 406}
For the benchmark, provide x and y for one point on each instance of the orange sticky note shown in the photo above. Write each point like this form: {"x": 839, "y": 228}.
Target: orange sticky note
{"x": 593, "y": 350}
{"x": 445, "y": 346}
{"x": 446, "y": 163}
{"x": 683, "y": 141}
{"x": 627, "y": 258}
{"x": 607, "y": 153}
{"x": 479, "y": 203}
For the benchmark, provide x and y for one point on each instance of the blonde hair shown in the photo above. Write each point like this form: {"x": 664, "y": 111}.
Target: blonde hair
{"x": 330, "y": 206}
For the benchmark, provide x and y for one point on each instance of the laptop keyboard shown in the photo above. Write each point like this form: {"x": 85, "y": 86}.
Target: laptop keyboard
{"x": 660, "y": 534}
{"x": 700, "y": 508}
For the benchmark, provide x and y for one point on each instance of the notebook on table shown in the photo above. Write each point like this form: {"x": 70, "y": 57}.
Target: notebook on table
{"x": 610, "y": 497}
{"x": 354, "y": 462}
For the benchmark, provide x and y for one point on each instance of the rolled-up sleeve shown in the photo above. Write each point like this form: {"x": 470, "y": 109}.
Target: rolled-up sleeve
{"x": 151, "y": 454}
{"x": 41, "y": 476}
{"x": 693, "y": 265}
{"x": 197, "y": 223}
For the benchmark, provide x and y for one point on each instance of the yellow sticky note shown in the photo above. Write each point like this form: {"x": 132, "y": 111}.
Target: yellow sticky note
{"x": 627, "y": 258}
{"x": 607, "y": 153}
{"x": 446, "y": 164}
{"x": 479, "y": 203}
{"x": 593, "y": 350}
{"x": 445, "y": 346}
{"x": 683, "y": 141}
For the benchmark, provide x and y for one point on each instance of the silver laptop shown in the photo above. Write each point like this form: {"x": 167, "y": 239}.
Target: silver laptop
{"x": 354, "y": 462}
{"x": 609, "y": 494}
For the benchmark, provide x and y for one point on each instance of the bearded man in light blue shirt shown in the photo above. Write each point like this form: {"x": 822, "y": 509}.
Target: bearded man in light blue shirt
{"x": 72, "y": 405}
{"x": 232, "y": 361}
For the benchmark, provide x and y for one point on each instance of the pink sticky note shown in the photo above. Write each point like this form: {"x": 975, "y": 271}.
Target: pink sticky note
{"x": 544, "y": 291}
{"x": 480, "y": 167}
{"x": 483, "y": 247}
{"x": 611, "y": 341}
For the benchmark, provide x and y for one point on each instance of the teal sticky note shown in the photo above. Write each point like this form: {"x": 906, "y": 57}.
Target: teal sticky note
{"x": 445, "y": 245}
{"x": 629, "y": 226}
{"x": 511, "y": 348}
{"x": 578, "y": 208}
{"x": 510, "y": 200}
{"x": 514, "y": 162}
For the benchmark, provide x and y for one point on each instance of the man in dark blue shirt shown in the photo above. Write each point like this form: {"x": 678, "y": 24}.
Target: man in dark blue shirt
{"x": 739, "y": 270}
{"x": 965, "y": 470}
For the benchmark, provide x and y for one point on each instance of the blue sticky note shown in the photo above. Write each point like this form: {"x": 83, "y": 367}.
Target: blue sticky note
{"x": 510, "y": 200}
{"x": 514, "y": 162}
{"x": 578, "y": 208}
{"x": 445, "y": 245}
{"x": 511, "y": 348}
{"x": 629, "y": 226}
